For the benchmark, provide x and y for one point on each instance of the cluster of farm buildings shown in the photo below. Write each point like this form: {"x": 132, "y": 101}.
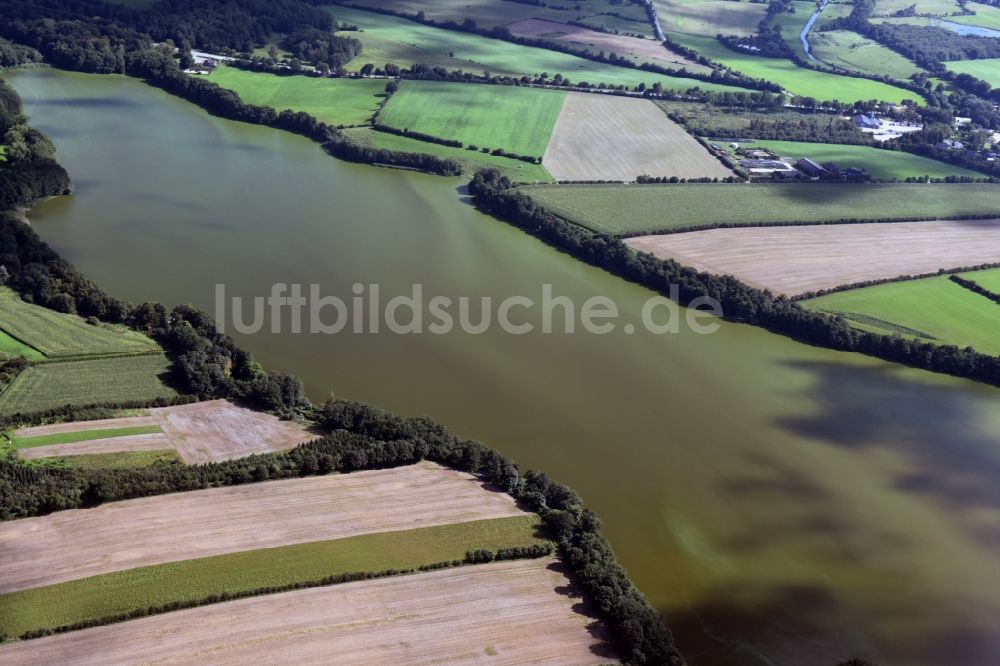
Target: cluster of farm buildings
{"x": 764, "y": 163}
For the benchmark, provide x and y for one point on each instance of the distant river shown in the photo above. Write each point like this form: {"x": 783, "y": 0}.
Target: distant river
{"x": 781, "y": 504}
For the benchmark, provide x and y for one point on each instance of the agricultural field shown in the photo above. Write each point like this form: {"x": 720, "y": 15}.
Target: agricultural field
{"x": 519, "y": 120}
{"x": 878, "y": 163}
{"x": 921, "y": 7}
{"x": 58, "y": 335}
{"x": 122, "y": 379}
{"x": 333, "y": 101}
{"x": 121, "y": 536}
{"x": 448, "y": 616}
{"x": 796, "y": 260}
{"x": 24, "y": 440}
{"x": 241, "y": 572}
{"x": 638, "y": 209}
{"x": 601, "y": 137}
{"x": 471, "y": 161}
{"x": 707, "y": 120}
{"x": 986, "y": 16}
{"x": 118, "y": 460}
{"x": 414, "y": 42}
{"x": 636, "y": 49}
{"x": 851, "y": 51}
{"x": 624, "y": 18}
{"x": 797, "y": 80}
{"x": 987, "y": 70}
{"x": 709, "y": 18}
{"x": 931, "y": 309}
{"x": 988, "y": 279}
{"x": 12, "y": 348}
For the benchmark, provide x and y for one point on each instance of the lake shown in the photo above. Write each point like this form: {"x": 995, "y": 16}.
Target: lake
{"x": 781, "y": 504}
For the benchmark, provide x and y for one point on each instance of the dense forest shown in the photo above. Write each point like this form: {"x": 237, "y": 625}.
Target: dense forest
{"x": 494, "y": 194}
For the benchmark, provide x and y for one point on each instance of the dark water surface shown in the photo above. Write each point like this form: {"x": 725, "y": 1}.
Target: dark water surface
{"x": 781, "y": 504}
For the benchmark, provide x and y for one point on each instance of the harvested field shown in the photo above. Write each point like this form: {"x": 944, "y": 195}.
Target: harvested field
{"x": 639, "y": 50}
{"x": 710, "y": 17}
{"x": 501, "y": 613}
{"x": 795, "y": 260}
{"x": 202, "y": 523}
{"x": 605, "y": 137}
{"x": 201, "y": 432}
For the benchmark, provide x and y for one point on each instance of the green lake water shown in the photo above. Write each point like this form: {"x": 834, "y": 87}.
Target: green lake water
{"x": 781, "y": 504}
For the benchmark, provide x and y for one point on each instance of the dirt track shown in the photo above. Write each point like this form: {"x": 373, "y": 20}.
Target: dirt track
{"x": 202, "y": 432}
{"x": 795, "y": 260}
{"x": 502, "y": 613}
{"x": 123, "y": 535}
{"x": 606, "y": 137}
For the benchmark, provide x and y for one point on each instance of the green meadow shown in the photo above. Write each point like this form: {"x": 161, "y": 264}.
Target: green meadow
{"x": 519, "y": 120}
{"x": 930, "y": 309}
{"x": 470, "y": 160}
{"x": 797, "y": 80}
{"x": 478, "y": 54}
{"x": 882, "y": 164}
{"x": 986, "y": 16}
{"x": 191, "y": 580}
{"x": 637, "y": 209}
{"x": 333, "y": 101}
{"x": 82, "y": 436}
{"x": 851, "y": 51}
{"x": 12, "y": 347}
{"x": 987, "y": 70}
{"x": 988, "y": 279}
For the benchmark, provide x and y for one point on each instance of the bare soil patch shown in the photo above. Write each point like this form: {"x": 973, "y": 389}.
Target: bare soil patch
{"x": 606, "y": 137}
{"x": 502, "y": 613}
{"x": 643, "y": 50}
{"x": 123, "y": 535}
{"x": 201, "y": 432}
{"x": 796, "y": 260}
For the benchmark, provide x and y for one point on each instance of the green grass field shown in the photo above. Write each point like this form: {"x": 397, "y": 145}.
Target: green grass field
{"x": 471, "y": 161}
{"x": 120, "y": 592}
{"x": 411, "y": 42}
{"x": 986, "y": 16}
{"x": 988, "y": 279}
{"x": 822, "y": 86}
{"x": 122, "y": 379}
{"x": 987, "y": 70}
{"x": 12, "y": 347}
{"x": 882, "y": 164}
{"x": 851, "y": 51}
{"x": 116, "y": 460}
{"x": 82, "y": 436}
{"x": 940, "y": 310}
{"x": 923, "y": 7}
{"x": 334, "y": 101}
{"x": 519, "y": 120}
{"x": 633, "y": 209}
{"x": 629, "y": 18}
{"x": 59, "y": 335}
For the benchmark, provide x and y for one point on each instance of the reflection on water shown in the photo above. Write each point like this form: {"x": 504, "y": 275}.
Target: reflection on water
{"x": 781, "y": 504}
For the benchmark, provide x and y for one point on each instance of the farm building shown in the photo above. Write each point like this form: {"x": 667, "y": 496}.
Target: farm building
{"x": 861, "y": 121}
{"x": 811, "y": 169}
{"x": 951, "y": 144}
